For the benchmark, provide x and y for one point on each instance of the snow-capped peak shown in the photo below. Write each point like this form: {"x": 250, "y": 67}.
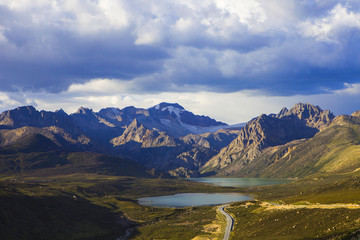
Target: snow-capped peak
{"x": 174, "y": 110}
{"x": 171, "y": 108}
{"x": 163, "y": 106}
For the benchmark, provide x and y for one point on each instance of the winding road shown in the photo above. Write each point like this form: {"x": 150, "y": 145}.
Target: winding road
{"x": 230, "y": 222}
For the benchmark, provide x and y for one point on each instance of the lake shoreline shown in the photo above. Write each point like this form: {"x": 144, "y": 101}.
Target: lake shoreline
{"x": 181, "y": 200}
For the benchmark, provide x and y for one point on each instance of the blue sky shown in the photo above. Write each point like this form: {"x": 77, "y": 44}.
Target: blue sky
{"x": 229, "y": 59}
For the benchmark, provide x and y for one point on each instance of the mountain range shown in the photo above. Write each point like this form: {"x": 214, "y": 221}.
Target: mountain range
{"x": 167, "y": 138}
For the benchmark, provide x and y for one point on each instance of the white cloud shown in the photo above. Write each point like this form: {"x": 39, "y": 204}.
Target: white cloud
{"x": 6, "y": 101}
{"x": 184, "y": 24}
{"x": 82, "y": 16}
{"x": 150, "y": 32}
{"x": 249, "y": 12}
{"x": 333, "y": 26}
{"x": 115, "y": 12}
{"x": 103, "y": 86}
{"x": 231, "y": 108}
{"x": 25, "y": 5}
{"x": 349, "y": 89}
{"x": 3, "y": 39}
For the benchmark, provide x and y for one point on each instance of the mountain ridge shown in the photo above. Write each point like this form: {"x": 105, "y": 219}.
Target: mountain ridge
{"x": 301, "y": 121}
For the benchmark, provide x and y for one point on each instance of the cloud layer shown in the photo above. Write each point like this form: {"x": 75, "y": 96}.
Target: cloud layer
{"x": 283, "y": 47}
{"x": 209, "y": 56}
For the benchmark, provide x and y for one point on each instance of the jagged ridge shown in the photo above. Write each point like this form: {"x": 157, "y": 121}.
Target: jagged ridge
{"x": 301, "y": 121}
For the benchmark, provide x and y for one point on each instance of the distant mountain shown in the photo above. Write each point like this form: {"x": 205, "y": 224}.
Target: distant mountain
{"x": 28, "y": 116}
{"x": 166, "y": 117}
{"x": 301, "y": 121}
{"x": 57, "y": 126}
{"x": 150, "y": 136}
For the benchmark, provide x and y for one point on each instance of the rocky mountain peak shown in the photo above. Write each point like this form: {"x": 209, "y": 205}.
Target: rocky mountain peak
{"x": 110, "y": 112}
{"x": 165, "y": 106}
{"x": 282, "y": 112}
{"x": 20, "y": 116}
{"x": 29, "y": 109}
{"x": 60, "y": 111}
{"x": 356, "y": 114}
{"x": 26, "y": 111}
{"x": 312, "y": 116}
{"x": 134, "y": 124}
{"x": 305, "y": 110}
{"x": 84, "y": 111}
{"x": 136, "y": 132}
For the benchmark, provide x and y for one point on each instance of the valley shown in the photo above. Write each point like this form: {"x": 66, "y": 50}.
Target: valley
{"x": 80, "y": 176}
{"x": 179, "y": 120}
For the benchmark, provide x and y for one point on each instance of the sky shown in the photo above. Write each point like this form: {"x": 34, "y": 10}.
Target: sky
{"x": 229, "y": 59}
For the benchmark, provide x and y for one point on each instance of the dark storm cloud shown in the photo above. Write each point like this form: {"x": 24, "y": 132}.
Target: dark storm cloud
{"x": 53, "y": 57}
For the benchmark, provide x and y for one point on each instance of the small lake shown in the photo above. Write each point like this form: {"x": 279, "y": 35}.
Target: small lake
{"x": 193, "y": 199}
{"x": 241, "y": 182}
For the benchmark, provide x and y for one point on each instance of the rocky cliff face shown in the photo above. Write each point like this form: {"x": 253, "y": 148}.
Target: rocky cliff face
{"x": 136, "y": 132}
{"x": 202, "y": 147}
{"x": 301, "y": 121}
{"x": 178, "y": 156}
{"x": 312, "y": 116}
{"x": 216, "y": 140}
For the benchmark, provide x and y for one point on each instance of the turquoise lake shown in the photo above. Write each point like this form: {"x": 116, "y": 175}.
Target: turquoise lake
{"x": 208, "y": 199}
{"x": 193, "y": 199}
{"x": 241, "y": 182}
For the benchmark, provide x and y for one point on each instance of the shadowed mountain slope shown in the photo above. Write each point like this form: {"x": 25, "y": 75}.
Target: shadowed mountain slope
{"x": 38, "y": 155}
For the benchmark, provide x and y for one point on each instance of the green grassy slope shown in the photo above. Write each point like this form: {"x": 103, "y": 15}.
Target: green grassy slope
{"x": 90, "y": 206}
{"x": 254, "y": 222}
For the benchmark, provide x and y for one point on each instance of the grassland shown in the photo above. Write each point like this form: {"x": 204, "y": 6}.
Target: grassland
{"x": 314, "y": 207}
{"x": 90, "y": 206}
{"x": 93, "y": 206}
{"x": 255, "y": 222}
